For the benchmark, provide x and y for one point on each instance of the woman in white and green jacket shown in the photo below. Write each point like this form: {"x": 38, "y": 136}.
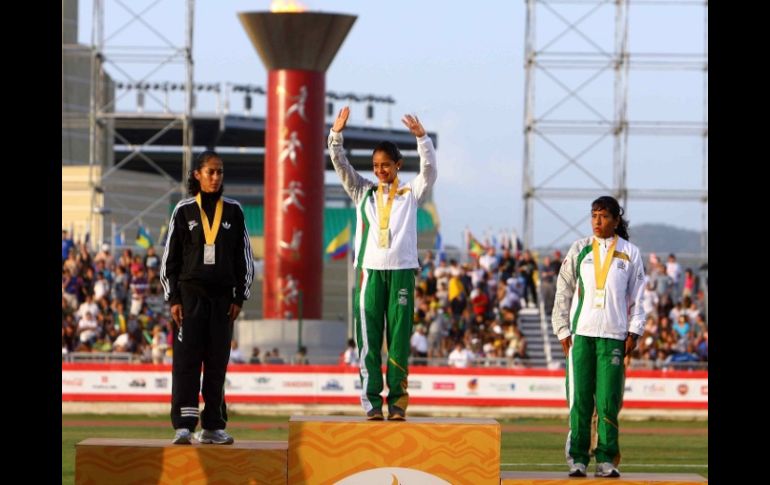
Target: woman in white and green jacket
{"x": 598, "y": 317}
{"x": 385, "y": 260}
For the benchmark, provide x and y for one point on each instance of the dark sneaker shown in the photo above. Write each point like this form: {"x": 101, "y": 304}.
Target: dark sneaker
{"x": 374, "y": 415}
{"x": 214, "y": 437}
{"x": 577, "y": 470}
{"x": 606, "y": 469}
{"x": 182, "y": 437}
{"x": 395, "y": 413}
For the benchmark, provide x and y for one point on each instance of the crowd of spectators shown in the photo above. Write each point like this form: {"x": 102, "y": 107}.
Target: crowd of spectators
{"x": 470, "y": 313}
{"x": 113, "y": 303}
{"x": 465, "y": 313}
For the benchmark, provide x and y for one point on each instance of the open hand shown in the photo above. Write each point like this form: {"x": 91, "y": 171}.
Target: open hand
{"x": 414, "y": 125}
{"x": 342, "y": 120}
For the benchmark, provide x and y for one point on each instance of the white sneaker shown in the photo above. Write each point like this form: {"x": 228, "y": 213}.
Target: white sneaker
{"x": 606, "y": 469}
{"x": 577, "y": 470}
{"x": 182, "y": 437}
{"x": 216, "y": 437}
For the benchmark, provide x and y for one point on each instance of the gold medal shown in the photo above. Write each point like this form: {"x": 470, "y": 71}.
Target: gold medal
{"x": 599, "y": 298}
{"x": 600, "y": 273}
{"x": 384, "y": 241}
{"x": 383, "y": 211}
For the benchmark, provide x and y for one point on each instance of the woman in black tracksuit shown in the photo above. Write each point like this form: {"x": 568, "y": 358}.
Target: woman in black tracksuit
{"x": 206, "y": 273}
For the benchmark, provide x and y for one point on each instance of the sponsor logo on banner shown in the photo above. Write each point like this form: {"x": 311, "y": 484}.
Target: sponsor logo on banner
{"x": 262, "y": 383}
{"x": 357, "y": 384}
{"x": 444, "y": 386}
{"x": 229, "y": 385}
{"x": 704, "y": 390}
{"x": 627, "y": 388}
{"x": 654, "y": 389}
{"x": 413, "y": 384}
{"x": 72, "y": 382}
{"x": 682, "y": 389}
{"x": 546, "y": 388}
{"x": 298, "y": 384}
{"x": 137, "y": 383}
{"x": 393, "y": 475}
{"x": 502, "y": 387}
{"x": 104, "y": 383}
{"x": 332, "y": 385}
{"x": 161, "y": 382}
{"x": 473, "y": 384}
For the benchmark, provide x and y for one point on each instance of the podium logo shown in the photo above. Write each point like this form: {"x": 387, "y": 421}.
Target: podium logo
{"x": 393, "y": 476}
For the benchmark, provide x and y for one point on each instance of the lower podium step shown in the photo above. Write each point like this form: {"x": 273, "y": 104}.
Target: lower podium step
{"x": 137, "y": 461}
{"x": 559, "y": 478}
{"x": 340, "y": 449}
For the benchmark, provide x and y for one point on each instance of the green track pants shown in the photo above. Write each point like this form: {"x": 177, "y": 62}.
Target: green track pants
{"x": 384, "y": 307}
{"x": 595, "y": 374}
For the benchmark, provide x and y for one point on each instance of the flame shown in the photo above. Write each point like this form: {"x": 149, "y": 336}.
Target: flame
{"x": 291, "y": 6}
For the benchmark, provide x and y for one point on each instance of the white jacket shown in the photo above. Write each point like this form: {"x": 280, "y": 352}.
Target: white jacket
{"x": 402, "y": 253}
{"x": 623, "y": 312}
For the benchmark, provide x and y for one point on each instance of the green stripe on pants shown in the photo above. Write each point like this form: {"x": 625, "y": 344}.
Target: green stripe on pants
{"x": 384, "y": 296}
{"x": 594, "y": 370}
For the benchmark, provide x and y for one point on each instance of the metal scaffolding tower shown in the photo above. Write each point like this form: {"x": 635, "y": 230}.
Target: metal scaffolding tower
{"x": 136, "y": 65}
{"x": 603, "y": 55}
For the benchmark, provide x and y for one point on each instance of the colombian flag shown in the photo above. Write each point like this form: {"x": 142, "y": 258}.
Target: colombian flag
{"x": 143, "y": 239}
{"x": 339, "y": 246}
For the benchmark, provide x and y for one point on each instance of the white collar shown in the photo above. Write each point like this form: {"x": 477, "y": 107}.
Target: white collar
{"x": 604, "y": 242}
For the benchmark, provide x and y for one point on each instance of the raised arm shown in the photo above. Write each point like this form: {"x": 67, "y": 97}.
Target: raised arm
{"x": 354, "y": 184}
{"x": 428, "y": 173}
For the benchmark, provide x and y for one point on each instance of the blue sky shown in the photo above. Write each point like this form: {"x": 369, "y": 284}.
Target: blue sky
{"x": 459, "y": 66}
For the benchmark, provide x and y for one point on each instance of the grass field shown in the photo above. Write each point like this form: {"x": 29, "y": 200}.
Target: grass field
{"x": 527, "y": 444}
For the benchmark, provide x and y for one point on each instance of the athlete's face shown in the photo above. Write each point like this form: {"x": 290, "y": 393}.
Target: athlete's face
{"x": 603, "y": 223}
{"x": 385, "y": 169}
{"x": 210, "y": 175}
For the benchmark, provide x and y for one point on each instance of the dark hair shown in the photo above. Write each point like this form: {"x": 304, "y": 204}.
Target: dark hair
{"x": 390, "y": 149}
{"x": 613, "y": 207}
{"x": 193, "y": 186}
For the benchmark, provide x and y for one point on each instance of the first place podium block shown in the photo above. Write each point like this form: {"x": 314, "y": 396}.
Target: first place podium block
{"x": 340, "y": 449}
{"x": 137, "y": 461}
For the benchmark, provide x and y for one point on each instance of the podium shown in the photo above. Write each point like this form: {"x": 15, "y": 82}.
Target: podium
{"x": 332, "y": 449}
{"x": 335, "y": 450}
{"x": 136, "y": 461}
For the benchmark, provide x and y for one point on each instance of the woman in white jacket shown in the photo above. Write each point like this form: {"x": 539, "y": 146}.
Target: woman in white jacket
{"x": 598, "y": 316}
{"x": 385, "y": 260}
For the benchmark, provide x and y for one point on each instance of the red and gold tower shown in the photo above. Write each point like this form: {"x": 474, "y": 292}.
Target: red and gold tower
{"x": 296, "y": 48}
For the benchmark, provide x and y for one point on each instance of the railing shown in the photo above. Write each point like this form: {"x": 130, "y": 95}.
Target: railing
{"x": 486, "y": 362}
{"x": 102, "y": 357}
